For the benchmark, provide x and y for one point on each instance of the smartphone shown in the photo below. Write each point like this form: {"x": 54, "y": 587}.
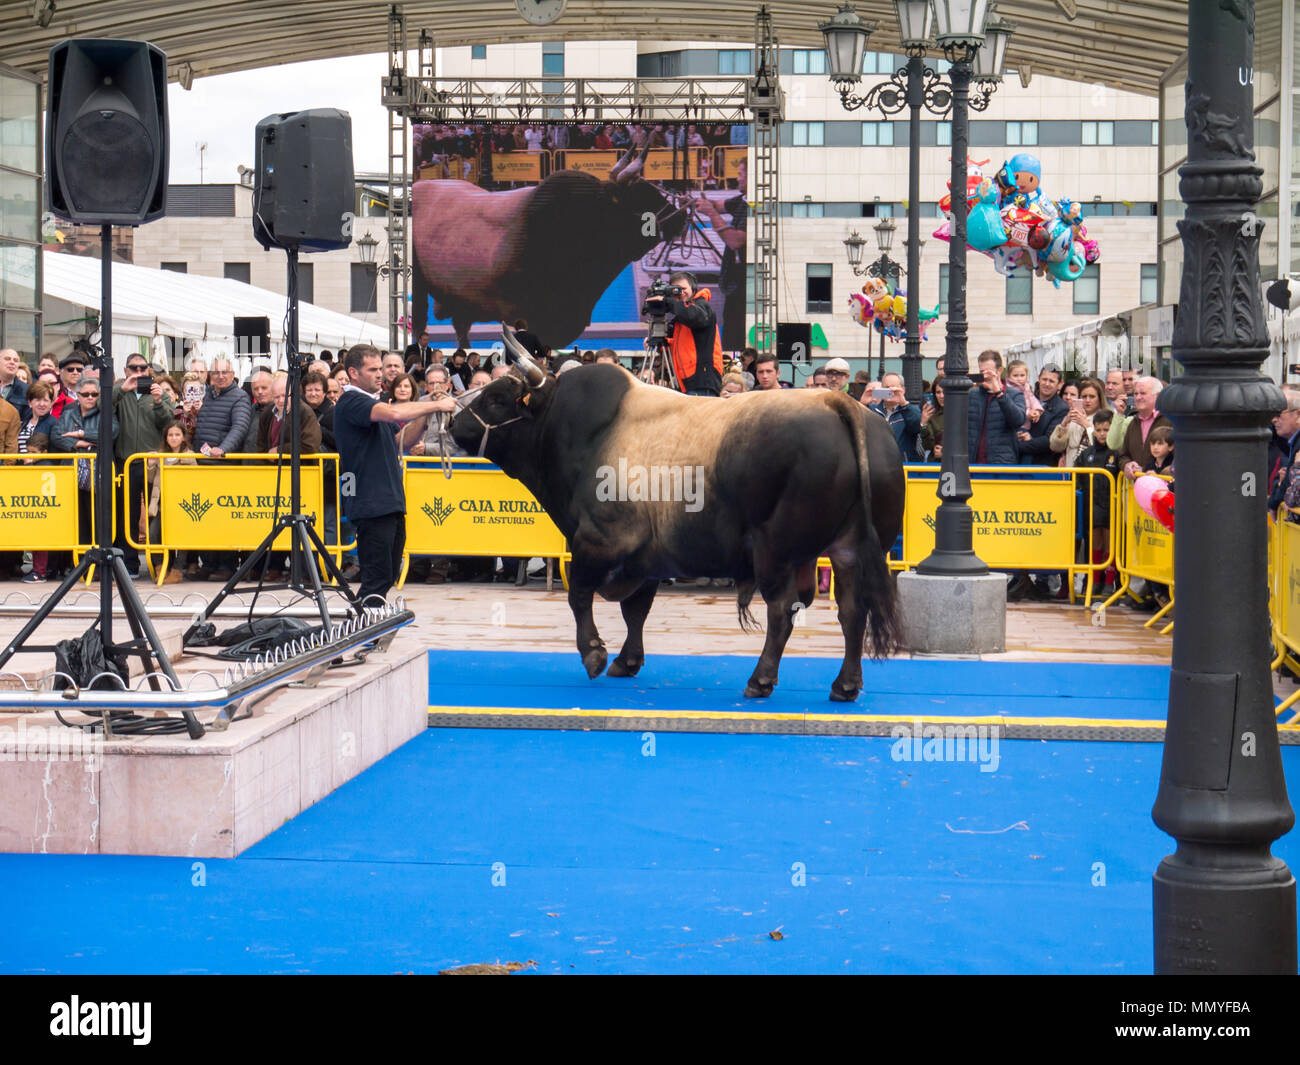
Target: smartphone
{"x": 977, "y": 378}
{"x": 1076, "y": 404}
{"x": 881, "y": 393}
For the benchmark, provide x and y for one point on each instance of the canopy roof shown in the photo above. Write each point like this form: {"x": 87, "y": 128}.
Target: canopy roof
{"x": 149, "y": 303}
{"x": 1124, "y": 43}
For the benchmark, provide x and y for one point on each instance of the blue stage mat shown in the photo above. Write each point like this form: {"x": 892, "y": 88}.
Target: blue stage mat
{"x": 715, "y": 683}
{"x": 613, "y": 860}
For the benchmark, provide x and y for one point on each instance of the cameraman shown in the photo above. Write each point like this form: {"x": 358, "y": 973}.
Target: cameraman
{"x": 693, "y": 339}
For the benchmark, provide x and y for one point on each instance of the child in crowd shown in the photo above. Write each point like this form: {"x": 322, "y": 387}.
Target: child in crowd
{"x": 175, "y": 442}
{"x": 38, "y": 444}
{"x": 1018, "y": 379}
{"x": 1098, "y": 456}
{"x": 1161, "y": 442}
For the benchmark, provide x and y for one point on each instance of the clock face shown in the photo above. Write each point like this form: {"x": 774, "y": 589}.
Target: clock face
{"x": 540, "y": 12}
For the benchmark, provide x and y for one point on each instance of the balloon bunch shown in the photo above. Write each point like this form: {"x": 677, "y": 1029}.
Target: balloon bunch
{"x": 1155, "y": 499}
{"x": 886, "y": 311}
{"x": 1014, "y": 223}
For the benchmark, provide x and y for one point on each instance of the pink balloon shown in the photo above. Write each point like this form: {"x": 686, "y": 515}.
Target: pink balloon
{"x": 1144, "y": 488}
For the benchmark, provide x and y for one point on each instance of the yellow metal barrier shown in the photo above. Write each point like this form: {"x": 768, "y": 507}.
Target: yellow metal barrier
{"x": 1025, "y": 517}
{"x": 479, "y": 510}
{"x": 226, "y": 504}
{"x": 1284, "y": 586}
{"x": 40, "y": 504}
{"x": 1144, "y": 548}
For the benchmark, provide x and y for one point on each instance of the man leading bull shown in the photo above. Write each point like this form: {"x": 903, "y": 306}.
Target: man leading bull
{"x": 693, "y": 338}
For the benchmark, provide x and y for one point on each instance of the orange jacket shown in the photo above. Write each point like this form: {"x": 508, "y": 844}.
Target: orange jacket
{"x": 695, "y": 329}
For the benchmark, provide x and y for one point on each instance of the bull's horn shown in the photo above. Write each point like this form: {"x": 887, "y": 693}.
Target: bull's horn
{"x": 617, "y": 168}
{"x": 534, "y": 373}
{"x": 631, "y": 171}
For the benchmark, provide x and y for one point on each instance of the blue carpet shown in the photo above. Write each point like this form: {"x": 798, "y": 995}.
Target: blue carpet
{"x": 613, "y": 860}
{"x": 716, "y": 683}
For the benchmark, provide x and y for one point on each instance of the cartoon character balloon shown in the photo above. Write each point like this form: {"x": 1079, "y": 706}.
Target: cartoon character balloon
{"x": 886, "y": 312}
{"x": 1021, "y": 228}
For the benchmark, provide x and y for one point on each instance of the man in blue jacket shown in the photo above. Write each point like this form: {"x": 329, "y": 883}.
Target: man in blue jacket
{"x": 903, "y": 417}
{"x": 995, "y": 416}
{"x": 1034, "y": 445}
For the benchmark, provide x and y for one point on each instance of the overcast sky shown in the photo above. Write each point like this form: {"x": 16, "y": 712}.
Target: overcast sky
{"x": 222, "y": 112}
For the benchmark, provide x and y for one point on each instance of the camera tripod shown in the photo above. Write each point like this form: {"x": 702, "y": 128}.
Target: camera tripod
{"x": 656, "y": 348}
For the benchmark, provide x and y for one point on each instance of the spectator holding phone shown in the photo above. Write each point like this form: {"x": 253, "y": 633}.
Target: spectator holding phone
{"x": 904, "y": 418}
{"x": 932, "y": 420}
{"x": 995, "y": 415}
{"x": 1072, "y": 434}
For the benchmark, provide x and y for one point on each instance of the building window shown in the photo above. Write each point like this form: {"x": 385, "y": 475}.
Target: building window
{"x": 943, "y": 288}
{"x": 877, "y": 134}
{"x": 478, "y": 51}
{"x": 365, "y": 281}
{"x": 819, "y": 288}
{"x": 1087, "y": 291}
{"x": 1020, "y": 294}
{"x": 733, "y": 60}
{"x": 943, "y": 133}
{"x": 1150, "y": 283}
{"x": 553, "y": 59}
{"x": 175, "y": 268}
{"x": 1022, "y": 132}
{"x": 307, "y": 282}
{"x": 238, "y": 272}
{"x": 1155, "y": 132}
{"x": 810, "y": 61}
{"x": 808, "y": 210}
{"x": 878, "y": 62}
{"x": 1099, "y": 133}
{"x": 809, "y": 134}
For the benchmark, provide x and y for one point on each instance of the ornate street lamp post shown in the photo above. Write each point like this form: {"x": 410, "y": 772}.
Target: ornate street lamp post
{"x": 366, "y": 249}
{"x": 961, "y": 31}
{"x": 1222, "y": 902}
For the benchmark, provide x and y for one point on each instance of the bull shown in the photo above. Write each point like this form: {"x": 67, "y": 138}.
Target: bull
{"x": 489, "y": 256}
{"x": 782, "y": 478}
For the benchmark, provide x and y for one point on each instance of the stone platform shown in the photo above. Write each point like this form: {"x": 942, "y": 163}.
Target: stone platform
{"x": 64, "y": 792}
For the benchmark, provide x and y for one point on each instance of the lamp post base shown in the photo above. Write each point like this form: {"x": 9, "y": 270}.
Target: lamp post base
{"x": 1224, "y": 920}
{"x": 965, "y": 615}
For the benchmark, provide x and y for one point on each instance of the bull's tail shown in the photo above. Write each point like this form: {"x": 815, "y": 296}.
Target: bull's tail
{"x": 745, "y": 596}
{"x": 879, "y": 586}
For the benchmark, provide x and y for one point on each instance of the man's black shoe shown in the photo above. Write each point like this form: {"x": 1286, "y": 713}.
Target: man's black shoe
{"x": 1019, "y": 588}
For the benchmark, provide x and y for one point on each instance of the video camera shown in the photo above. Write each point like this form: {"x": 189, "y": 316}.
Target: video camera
{"x": 656, "y": 310}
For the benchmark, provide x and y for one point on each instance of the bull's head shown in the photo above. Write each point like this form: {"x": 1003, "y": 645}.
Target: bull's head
{"x": 487, "y": 424}
{"x": 639, "y": 199}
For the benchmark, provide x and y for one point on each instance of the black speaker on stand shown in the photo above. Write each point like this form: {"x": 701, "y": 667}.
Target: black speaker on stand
{"x": 303, "y": 197}
{"x": 253, "y": 336}
{"x": 106, "y": 146}
{"x": 794, "y": 345}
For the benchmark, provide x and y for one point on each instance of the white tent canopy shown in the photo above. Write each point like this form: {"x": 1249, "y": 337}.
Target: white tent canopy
{"x": 154, "y": 305}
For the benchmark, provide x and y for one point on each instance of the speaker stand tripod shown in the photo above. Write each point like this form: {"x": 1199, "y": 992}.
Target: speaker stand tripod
{"x": 145, "y": 643}
{"x": 305, "y": 544}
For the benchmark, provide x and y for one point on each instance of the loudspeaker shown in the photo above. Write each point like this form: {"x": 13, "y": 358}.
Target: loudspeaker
{"x": 106, "y": 132}
{"x": 253, "y": 336}
{"x": 790, "y": 334}
{"x": 303, "y": 190}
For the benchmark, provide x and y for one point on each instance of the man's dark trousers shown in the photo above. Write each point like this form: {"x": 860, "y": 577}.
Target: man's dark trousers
{"x": 380, "y": 543}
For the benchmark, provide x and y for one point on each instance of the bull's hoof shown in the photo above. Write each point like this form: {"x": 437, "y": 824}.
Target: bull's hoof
{"x": 595, "y": 663}
{"x": 758, "y": 689}
{"x": 624, "y": 668}
{"x": 841, "y": 694}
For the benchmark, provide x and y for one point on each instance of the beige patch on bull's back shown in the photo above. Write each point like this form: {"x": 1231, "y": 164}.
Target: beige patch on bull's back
{"x": 664, "y": 429}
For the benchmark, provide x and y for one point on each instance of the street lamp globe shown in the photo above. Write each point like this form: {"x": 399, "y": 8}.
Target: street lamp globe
{"x": 885, "y": 234}
{"x": 991, "y": 58}
{"x": 846, "y": 43}
{"x": 854, "y": 245}
{"x": 366, "y": 247}
{"x": 960, "y": 23}
{"x": 915, "y": 22}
